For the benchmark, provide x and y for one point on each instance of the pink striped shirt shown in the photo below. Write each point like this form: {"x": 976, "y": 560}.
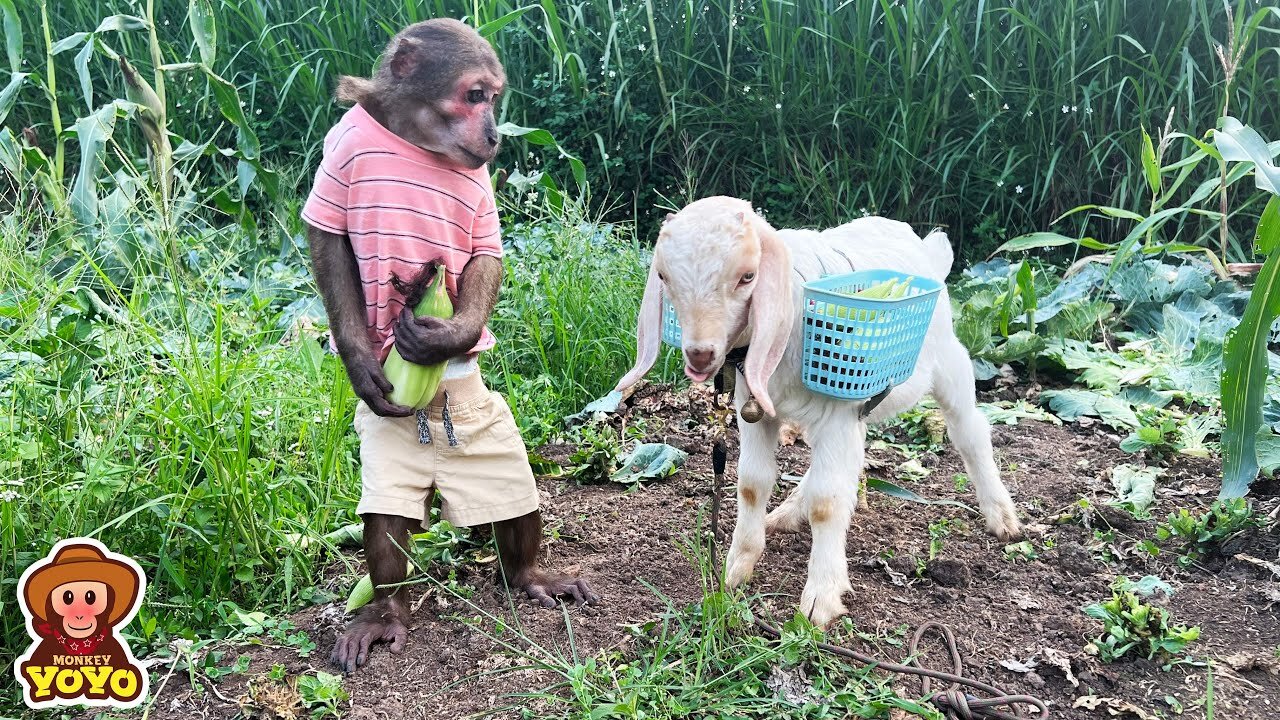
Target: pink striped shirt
{"x": 401, "y": 209}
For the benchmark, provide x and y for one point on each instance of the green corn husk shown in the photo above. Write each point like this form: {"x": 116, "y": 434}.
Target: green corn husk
{"x": 362, "y": 593}
{"x": 414, "y": 385}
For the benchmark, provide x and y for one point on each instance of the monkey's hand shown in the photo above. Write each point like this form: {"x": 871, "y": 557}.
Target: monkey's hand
{"x": 543, "y": 587}
{"x": 371, "y": 385}
{"x": 429, "y": 340}
{"x": 381, "y": 621}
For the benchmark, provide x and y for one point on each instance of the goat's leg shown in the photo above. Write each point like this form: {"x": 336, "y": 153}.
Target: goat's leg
{"x": 788, "y": 517}
{"x": 757, "y": 472}
{"x": 971, "y": 434}
{"x": 830, "y": 491}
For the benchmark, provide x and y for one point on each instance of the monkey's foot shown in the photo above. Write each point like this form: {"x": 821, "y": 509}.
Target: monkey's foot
{"x": 544, "y": 587}
{"x": 376, "y": 623}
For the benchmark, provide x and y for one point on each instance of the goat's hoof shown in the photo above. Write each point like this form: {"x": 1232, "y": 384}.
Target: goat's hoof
{"x": 1004, "y": 523}
{"x": 822, "y": 607}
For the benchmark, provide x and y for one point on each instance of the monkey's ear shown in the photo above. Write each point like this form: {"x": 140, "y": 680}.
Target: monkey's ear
{"x": 405, "y": 58}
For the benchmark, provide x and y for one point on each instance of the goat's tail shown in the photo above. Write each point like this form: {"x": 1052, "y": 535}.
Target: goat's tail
{"x": 940, "y": 253}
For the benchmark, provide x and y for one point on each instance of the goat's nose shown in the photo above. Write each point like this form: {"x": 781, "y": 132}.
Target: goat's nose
{"x": 493, "y": 139}
{"x": 699, "y": 358}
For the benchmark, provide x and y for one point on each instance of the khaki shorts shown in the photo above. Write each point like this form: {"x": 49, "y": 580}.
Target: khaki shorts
{"x": 478, "y": 465}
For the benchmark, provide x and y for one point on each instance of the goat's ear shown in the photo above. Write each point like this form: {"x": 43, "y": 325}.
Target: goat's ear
{"x": 771, "y": 313}
{"x": 648, "y": 331}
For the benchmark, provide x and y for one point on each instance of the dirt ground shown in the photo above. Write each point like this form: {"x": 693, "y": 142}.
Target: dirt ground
{"x": 1026, "y": 611}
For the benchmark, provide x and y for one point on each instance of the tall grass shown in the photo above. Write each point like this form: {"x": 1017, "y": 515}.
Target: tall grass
{"x": 988, "y": 116}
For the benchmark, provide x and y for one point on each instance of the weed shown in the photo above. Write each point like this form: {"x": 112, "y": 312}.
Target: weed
{"x": 1021, "y": 551}
{"x": 961, "y": 482}
{"x": 1201, "y": 535}
{"x": 939, "y": 530}
{"x": 598, "y": 450}
{"x": 1134, "y": 628}
{"x": 322, "y": 694}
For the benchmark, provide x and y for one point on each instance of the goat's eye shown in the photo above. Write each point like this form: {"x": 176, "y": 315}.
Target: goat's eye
{"x": 747, "y": 277}
{"x": 475, "y": 96}
{"x": 662, "y": 278}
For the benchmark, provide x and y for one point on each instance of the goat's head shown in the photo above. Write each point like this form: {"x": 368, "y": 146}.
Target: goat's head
{"x": 722, "y": 268}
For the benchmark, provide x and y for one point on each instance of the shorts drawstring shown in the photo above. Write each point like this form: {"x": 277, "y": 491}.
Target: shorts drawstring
{"x": 448, "y": 422}
{"x": 424, "y": 426}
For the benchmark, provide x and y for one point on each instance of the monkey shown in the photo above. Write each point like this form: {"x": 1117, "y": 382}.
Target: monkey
{"x": 403, "y": 183}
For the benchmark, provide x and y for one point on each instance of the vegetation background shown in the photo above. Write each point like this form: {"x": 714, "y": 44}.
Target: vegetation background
{"x": 989, "y": 117}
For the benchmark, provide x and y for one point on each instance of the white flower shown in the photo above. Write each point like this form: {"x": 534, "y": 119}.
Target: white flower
{"x": 1064, "y": 110}
{"x": 970, "y": 96}
{"x": 8, "y": 495}
{"x": 777, "y": 106}
{"x": 1088, "y": 111}
{"x": 641, "y": 47}
{"x": 1005, "y": 106}
{"x": 999, "y": 183}
{"x": 746, "y": 88}
{"x": 1073, "y": 108}
{"x": 1018, "y": 189}
{"x": 613, "y": 73}
{"x": 1029, "y": 113}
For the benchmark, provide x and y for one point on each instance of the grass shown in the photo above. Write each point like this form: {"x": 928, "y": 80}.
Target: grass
{"x": 989, "y": 117}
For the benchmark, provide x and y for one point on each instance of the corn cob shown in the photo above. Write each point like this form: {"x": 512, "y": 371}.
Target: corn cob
{"x": 414, "y": 385}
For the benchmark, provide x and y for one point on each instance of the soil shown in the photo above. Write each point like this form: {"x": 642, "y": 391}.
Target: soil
{"x": 1012, "y": 610}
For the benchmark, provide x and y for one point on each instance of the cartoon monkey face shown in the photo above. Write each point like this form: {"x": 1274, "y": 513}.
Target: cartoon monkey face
{"x": 80, "y": 604}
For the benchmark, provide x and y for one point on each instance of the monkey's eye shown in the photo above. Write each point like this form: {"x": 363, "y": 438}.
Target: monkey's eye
{"x": 746, "y": 278}
{"x": 475, "y": 96}
{"x": 90, "y": 597}
{"x": 68, "y": 597}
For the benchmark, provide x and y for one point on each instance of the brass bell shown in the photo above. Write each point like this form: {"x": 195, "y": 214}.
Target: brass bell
{"x": 751, "y": 410}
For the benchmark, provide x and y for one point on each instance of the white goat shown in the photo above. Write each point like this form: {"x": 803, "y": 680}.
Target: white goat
{"x": 736, "y": 281}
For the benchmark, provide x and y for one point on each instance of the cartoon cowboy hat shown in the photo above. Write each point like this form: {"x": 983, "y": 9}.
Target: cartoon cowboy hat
{"x": 76, "y": 563}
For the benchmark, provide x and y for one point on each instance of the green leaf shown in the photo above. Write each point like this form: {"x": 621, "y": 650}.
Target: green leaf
{"x": 1238, "y": 142}
{"x": 649, "y": 461}
{"x": 1135, "y": 488}
{"x": 493, "y": 26}
{"x": 204, "y": 29}
{"x": 902, "y": 493}
{"x": 1268, "y": 233}
{"x": 1244, "y": 376}
{"x": 12, "y": 35}
{"x": 82, "y": 72}
{"x": 1150, "y": 166}
{"x": 1151, "y": 223}
{"x": 92, "y": 133}
{"x": 9, "y": 95}
{"x": 1032, "y": 241}
{"x": 121, "y": 23}
{"x": 67, "y": 43}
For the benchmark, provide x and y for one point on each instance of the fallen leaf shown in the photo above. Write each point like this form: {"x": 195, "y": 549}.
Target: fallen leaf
{"x": 649, "y": 461}
{"x": 1020, "y": 666}
{"x": 1060, "y": 660}
{"x": 1246, "y": 662}
{"x": 1115, "y": 706}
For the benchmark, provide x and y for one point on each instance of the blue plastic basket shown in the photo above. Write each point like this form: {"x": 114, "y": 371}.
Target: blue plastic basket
{"x": 670, "y": 325}
{"x": 854, "y": 348}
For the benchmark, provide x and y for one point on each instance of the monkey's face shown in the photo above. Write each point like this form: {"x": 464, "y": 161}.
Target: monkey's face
{"x": 471, "y": 129}
{"x": 79, "y": 604}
